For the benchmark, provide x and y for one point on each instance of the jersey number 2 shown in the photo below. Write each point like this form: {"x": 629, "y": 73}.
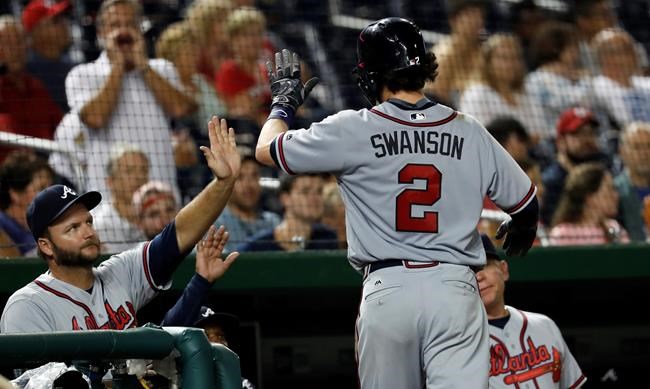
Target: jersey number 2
{"x": 409, "y": 197}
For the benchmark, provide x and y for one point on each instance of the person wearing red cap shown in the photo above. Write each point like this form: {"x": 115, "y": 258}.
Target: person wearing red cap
{"x": 49, "y": 32}
{"x": 577, "y": 142}
{"x": 26, "y": 106}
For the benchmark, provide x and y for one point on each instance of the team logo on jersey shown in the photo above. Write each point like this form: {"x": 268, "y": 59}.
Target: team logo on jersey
{"x": 528, "y": 365}
{"x": 289, "y": 137}
{"x": 118, "y": 319}
{"x": 67, "y": 191}
{"x": 418, "y": 116}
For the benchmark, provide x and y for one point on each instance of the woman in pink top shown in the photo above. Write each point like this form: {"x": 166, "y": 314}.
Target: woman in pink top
{"x": 587, "y": 210}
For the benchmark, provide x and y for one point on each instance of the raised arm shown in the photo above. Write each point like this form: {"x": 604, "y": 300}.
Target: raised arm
{"x": 288, "y": 94}
{"x": 224, "y": 160}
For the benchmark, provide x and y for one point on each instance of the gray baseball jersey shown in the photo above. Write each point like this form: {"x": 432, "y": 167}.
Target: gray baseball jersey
{"x": 412, "y": 177}
{"x": 122, "y": 286}
{"x": 529, "y": 352}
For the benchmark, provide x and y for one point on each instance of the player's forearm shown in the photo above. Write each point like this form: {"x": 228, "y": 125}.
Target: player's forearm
{"x": 271, "y": 129}
{"x": 175, "y": 103}
{"x": 195, "y": 218}
{"x": 97, "y": 112}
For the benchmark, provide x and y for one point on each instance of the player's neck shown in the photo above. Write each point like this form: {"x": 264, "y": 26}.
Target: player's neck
{"x": 408, "y": 96}
{"x": 498, "y": 311}
{"x": 81, "y": 277}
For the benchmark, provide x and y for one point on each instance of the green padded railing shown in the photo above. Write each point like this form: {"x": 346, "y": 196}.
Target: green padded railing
{"x": 202, "y": 365}
{"x": 330, "y": 269}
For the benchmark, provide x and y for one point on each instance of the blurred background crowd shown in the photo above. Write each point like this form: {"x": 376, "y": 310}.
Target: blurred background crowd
{"x": 115, "y": 96}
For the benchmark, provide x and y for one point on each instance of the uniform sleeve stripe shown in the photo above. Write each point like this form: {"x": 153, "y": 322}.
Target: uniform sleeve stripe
{"x": 145, "y": 266}
{"x": 427, "y": 124}
{"x": 274, "y": 152}
{"x": 522, "y": 204}
{"x": 579, "y": 382}
{"x": 283, "y": 161}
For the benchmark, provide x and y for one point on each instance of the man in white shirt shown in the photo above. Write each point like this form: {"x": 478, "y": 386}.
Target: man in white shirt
{"x": 125, "y": 97}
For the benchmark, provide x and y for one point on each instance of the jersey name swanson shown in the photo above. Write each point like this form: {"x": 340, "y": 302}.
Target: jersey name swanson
{"x": 417, "y": 142}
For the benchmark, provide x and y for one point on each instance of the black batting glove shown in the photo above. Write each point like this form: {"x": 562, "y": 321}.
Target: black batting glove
{"x": 518, "y": 239}
{"x": 286, "y": 88}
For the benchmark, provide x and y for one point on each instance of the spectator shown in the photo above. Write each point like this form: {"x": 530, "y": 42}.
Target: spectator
{"x": 22, "y": 176}
{"x": 620, "y": 89}
{"x": 525, "y": 18}
{"x": 334, "y": 212}
{"x": 116, "y": 220}
{"x": 178, "y": 45}
{"x": 125, "y": 97}
{"x": 110, "y": 295}
{"x": 155, "y": 206}
{"x": 506, "y": 323}
{"x": 557, "y": 84}
{"x": 587, "y": 210}
{"x": 577, "y": 143}
{"x": 591, "y": 17}
{"x": 633, "y": 184}
{"x": 243, "y": 217}
{"x": 243, "y": 81}
{"x": 209, "y": 17}
{"x": 302, "y": 200}
{"x": 512, "y": 135}
{"x": 20, "y": 92}
{"x": 73, "y": 135}
{"x": 500, "y": 88}
{"x": 459, "y": 53}
{"x": 49, "y": 33}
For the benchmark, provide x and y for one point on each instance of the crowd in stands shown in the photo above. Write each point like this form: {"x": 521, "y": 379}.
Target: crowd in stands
{"x": 566, "y": 93}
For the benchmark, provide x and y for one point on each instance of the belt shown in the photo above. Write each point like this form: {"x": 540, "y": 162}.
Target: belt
{"x": 399, "y": 262}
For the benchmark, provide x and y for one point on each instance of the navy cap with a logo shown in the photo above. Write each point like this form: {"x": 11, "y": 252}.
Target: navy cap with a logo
{"x": 228, "y": 322}
{"x": 50, "y": 203}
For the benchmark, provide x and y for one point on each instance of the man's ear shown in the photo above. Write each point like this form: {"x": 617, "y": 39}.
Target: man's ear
{"x": 503, "y": 265}
{"x": 45, "y": 245}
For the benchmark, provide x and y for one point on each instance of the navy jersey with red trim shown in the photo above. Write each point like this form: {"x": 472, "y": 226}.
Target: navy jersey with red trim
{"x": 530, "y": 353}
{"x": 123, "y": 284}
{"x": 412, "y": 177}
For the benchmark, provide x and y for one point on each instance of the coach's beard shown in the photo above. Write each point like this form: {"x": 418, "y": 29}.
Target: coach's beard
{"x": 70, "y": 258}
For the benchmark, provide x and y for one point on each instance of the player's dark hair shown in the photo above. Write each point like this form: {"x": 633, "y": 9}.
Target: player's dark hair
{"x": 413, "y": 78}
{"x": 550, "y": 40}
{"x": 16, "y": 173}
{"x": 503, "y": 127}
{"x": 582, "y": 182}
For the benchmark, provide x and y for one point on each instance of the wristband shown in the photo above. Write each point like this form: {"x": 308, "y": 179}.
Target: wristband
{"x": 283, "y": 113}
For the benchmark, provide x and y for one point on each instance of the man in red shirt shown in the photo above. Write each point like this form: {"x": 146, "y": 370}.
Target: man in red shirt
{"x": 25, "y": 105}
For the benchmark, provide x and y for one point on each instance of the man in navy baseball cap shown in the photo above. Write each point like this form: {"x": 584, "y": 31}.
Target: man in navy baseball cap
{"x": 52, "y": 202}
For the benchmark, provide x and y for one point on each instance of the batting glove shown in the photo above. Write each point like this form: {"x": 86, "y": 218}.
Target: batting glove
{"x": 518, "y": 239}
{"x": 286, "y": 88}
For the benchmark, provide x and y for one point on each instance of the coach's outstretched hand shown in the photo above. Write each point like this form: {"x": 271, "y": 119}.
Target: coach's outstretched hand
{"x": 518, "y": 239}
{"x": 222, "y": 156}
{"x": 209, "y": 264}
{"x": 286, "y": 88}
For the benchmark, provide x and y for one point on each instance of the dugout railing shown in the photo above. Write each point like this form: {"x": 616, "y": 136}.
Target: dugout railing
{"x": 200, "y": 364}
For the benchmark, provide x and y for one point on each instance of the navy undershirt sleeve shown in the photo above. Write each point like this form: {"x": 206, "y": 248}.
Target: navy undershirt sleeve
{"x": 188, "y": 307}
{"x": 164, "y": 255}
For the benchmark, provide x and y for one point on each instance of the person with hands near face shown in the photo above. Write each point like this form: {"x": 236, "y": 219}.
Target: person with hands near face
{"x": 123, "y": 96}
{"x": 209, "y": 268}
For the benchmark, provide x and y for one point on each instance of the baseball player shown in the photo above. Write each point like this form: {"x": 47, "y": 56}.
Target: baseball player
{"x": 412, "y": 175}
{"x": 526, "y": 349}
{"x": 72, "y": 294}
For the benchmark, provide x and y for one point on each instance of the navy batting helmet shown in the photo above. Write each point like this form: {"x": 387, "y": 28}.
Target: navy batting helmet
{"x": 387, "y": 45}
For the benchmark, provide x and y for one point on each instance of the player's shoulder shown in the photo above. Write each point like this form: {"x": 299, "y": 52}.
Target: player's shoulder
{"x": 538, "y": 319}
{"x": 121, "y": 259}
{"x": 29, "y": 294}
